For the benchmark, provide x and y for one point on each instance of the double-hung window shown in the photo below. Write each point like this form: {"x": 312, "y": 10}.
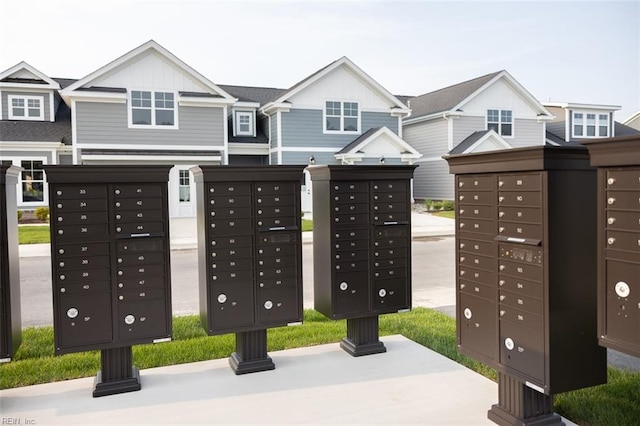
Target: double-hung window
{"x": 32, "y": 179}
{"x": 341, "y": 117}
{"x": 26, "y": 107}
{"x": 184, "y": 187}
{"x": 244, "y": 123}
{"x": 156, "y": 109}
{"x": 590, "y": 124}
{"x": 501, "y": 121}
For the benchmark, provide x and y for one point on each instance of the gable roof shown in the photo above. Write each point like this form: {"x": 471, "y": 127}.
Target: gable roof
{"x": 262, "y": 95}
{"x": 356, "y": 150}
{"x": 477, "y": 139}
{"x": 634, "y": 120}
{"x": 452, "y": 98}
{"x": 151, "y": 45}
{"x": 23, "y": 73}
{"x": 342, "y": 62}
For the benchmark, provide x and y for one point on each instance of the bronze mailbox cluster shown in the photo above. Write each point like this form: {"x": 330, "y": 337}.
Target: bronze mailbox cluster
{"x": 110, "y": 264}
{"x": 362, "y": 247}
{"x": 249, "y": 255}
{"x": 526, "y": 274}
{"x": 10, "y": 319}
{"x": 618, "y": 163}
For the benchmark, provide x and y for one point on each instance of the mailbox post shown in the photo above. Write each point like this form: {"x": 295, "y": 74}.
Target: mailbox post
{"x": 10, "y": 320}
{"x": 525, "y": 275}
{"x": 361, "y": 247}
{"x": 110, "y": 265}
{"x": 249, "y": 255}
{"x": 618, "y": 162}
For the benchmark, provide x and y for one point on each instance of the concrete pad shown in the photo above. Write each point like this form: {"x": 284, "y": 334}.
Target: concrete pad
{"x": 321, "y": 384}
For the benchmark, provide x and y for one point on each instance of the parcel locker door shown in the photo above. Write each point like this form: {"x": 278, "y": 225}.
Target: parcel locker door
{"x": 477, "y": 326}
{"x": 145, "y": 319}
{"x": 231, "y": 306}
{"x": 351, "y": 292}
{"x": 623, "y": 302}
{"x": 391, "y": 295}
{"x": 522, "y": 351}
{"x": 278, "y": 305}
{"x": 83, "y": 319}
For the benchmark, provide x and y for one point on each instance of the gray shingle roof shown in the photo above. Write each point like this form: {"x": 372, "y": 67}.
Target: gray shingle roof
{"x": 468, "y": 142}
{"x": 39, "y": 131}
{"x": 357, "y": 140}
{"x": 445, "y": 99}
{"x": 262, "y": 95}
{"x": 556, "y": 132}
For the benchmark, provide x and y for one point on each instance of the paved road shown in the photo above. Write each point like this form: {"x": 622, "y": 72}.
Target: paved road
{"x": 433, "y": 280}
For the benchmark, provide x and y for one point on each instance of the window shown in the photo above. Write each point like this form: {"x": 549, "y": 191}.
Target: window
{"x": 590, "y": 125}
{"x": 184, "y": 187}
{"x": 152, "y": 108}
{"x": 26, "y": 107}
{"x": 32, "y": 178}
{"x": 501, "y": 121}
{"x": 342, "y": 117}
{"x": 244, "y": 123}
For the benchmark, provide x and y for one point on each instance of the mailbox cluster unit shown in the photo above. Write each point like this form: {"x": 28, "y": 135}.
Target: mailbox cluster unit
{"x": 526, "y": 275}
{"x": 110, "y": 264}
{"x": 10, "y": 319}
{"x": 249, "y": 255}
{"x": 362, "y": 247}
{"x": 618, "y": 162}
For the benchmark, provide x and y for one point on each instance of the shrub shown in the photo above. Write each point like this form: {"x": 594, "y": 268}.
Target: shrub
{"x": 42, "y": 213}
{"x": 19, "y": 215}
{"x": 448, "y": 205}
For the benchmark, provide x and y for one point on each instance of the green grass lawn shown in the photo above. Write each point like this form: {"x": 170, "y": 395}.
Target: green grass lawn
{"x": 617, "y": 402}
{"x": 307, "y": 225}
{"x": 33, "y": 234}
{"x": 449, "y": 213}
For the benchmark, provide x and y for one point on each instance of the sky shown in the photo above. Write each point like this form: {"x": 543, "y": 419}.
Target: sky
{"x": 560, "y": 51}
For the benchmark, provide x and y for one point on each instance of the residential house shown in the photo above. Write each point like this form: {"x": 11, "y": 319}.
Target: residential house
{"x": 486, "y": 113}
{"x": 149, "y": 107}
{"x": 633, "y": 121}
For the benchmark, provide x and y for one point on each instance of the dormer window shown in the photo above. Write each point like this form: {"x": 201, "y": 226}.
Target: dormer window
{"x": 501, "y": 121}
{"x": 26, "y": 107}
{"x": 590, "y": 125}
{"x": 341, "y": 117}
{"x": 243, "y": 123}
{"x": 152, "y": 109}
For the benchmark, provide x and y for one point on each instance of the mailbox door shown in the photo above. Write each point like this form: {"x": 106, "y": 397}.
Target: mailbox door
{"x": 84, "y": 320}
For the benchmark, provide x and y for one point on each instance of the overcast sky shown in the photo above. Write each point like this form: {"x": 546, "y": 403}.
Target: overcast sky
{"x": 572, "y": 51}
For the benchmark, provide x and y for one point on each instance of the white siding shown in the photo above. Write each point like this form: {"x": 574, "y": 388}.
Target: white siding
{"x": 500, "y": 95}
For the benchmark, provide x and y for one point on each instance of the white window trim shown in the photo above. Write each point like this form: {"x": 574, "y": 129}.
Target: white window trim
{"x": 45, "y": 196}
{"x": 180, "y": 186}
{"x": 236, "y": 123}
{"x": 584, "y": 124}
{"x": 513, "y": 122}
{"x": 153, "y": 124}
{"x": 26, "y": 98}
{"x": 340, "y": 132}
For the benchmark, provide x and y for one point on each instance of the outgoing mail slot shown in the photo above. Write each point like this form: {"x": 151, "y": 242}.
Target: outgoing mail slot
{"x": 476, "y": 197}
{"x": 390, "y": 295}
{"x": 622, "y": 240}
{"x": 82, "y": 275}
{"x": 140, "y": 258}
{"x": 83, "y": 319}
{"x": 137, "y": 204}
{"x": 137, "y": 191}
{"x": 83, "y": 262}
{"x": 79, "y": 192}
{"x": 520, "y": 230}
{"x": 628, "y": 178}
{"x": 276, "y": 199}
{"x": 275, "y": 188}
{"x": 82, "y": 249}
{"x": 143, "y": 319}
{"x": 520, "y": 270}
{"x": 391, "y": 231}
{"x": 477, "y": 212}
{"x": 348, "y": 187}
{"x": 520, "y": 317}
{"x": 520, "y": 182}
{"x": 519, "y": 286}
{"x": 234, "y": 226}
{"x": 228, "y": 188}
{"x": 140, "y": 215}
{"x": 520, "y": 214}
{"x": 277, "y": 238}
{"x": 522, "y": 350}
{"x": 85, "y": 287}
{"x": 519, "y": 198}
{"x": 277, "y": 305}
{"x": 624, "y": 200}
{"x": 86, "y": 204}
{"x": 231, "y": 306}
{"x": 521, "y": 302}
{"x": 477, "y": 289}
{"x": 622, "y": 220}
{"x": 140, "y": 270}
{"x": 141, "y": 294}
{"x": 128, "y": 229}
{"x": 81, "y": 218}
{"x": 140, "y": 245}
{"x": 479, "y": 182}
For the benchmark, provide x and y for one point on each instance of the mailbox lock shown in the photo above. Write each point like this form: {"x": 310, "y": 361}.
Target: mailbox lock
{"x": 508, "y": 343}
{"x": 611, "y": 200}
{"x": 611, "y": 240}
{"x": 622, "y": 289}
{"x": 382, "y": 292}
{"x": 72, "y": 313}
{"x": 129, "y": 319}
{"x": 467, "y": 313}
{"x": 268, "y": 304}
{"x": 222, "y": 298}
{"x": 611, "y": 181}
{"x": 611, "y": 220}
{"x": 344, "y": 286}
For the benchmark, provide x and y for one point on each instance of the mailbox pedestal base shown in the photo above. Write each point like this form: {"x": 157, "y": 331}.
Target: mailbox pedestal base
{"x": 118, "y": 375}
{"x": 362, "y": 337}
{"x": 518, "y": 404}
{"x": 251, "y": 353}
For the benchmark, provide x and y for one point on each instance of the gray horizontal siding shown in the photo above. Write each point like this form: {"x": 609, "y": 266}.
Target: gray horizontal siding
{"x": 429, "y": 138}
{"x": 433, "y": 181}
{"x": 302, "y": 158}
{"x": 65, "y": 159}
{"x": 465, "y": 126}
{"x": 274, "y": 131}
{"x": 101, "y": 124}
{"x": 304, "y": 128}
{"x": 526, "y": 133}
{"x": 5, "y": 102}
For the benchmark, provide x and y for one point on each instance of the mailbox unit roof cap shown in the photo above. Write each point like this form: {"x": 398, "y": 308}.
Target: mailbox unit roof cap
{"x": 226, "y": 173}
{"x": 351, "y": 172}
{"x": 520, "y": 159}
{"x": 80, "y": 174}
{"x": 620, "y": 151}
